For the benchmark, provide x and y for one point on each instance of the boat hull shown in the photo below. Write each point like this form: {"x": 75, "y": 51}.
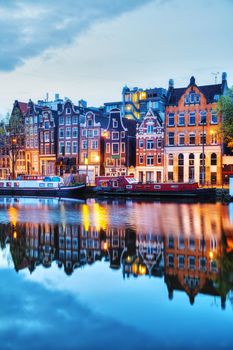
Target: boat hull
{"x": 205, "y": 193}
{"x": 61, "y": 192}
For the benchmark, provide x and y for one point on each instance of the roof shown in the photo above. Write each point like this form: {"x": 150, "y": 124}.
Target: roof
{"x": 209, "y": 91}
{"x": 23, "y": 106}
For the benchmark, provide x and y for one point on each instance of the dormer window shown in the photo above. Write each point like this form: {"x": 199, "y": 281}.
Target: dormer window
{"x": 192, "y": 98}
{"x": 68, "y": 110}
{"x": 150, "y": 129}
{"x": 89, "y": 122}
{"x": 115, "y": 123}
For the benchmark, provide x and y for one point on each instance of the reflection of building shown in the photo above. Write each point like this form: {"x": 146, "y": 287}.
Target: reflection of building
{"x": 89, "y": 245}
{"x": 191, "y": 264}
{"x": 114, "y": 246}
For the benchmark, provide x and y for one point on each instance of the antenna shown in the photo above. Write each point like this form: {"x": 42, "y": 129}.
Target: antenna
{"x": 215, "y": 76}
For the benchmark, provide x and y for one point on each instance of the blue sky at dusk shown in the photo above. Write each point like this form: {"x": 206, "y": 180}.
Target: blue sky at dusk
{"x": 90, "y": 49}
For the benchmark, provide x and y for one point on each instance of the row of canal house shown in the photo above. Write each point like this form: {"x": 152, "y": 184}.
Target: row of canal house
{"x": 183, "y": 143}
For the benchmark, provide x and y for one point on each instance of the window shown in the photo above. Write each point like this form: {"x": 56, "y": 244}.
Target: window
{"x": 181, "y": 139}
{"x": 170, "y": 260}
{"x": 192, "y": 97}
{"x": 191, "y": 159}
{"x": 171, "y": 242}
{"x": 61, "y": 133}
{"x": 159, "y": 159}
{"x": 122, "y": 134}
{"x": 75, "y": 119}
{"x": 170, "y": 159}
{"x": 84, "y": 144}
{"x": 141, "y": 143}
{"x": 68, "y": 110}
{"x": 115, "y": 148}
{"x": 181, "y": 261}
{"x": 68, "y": 133}
{"x": 150, "y": 129}
{"x": 90, "y": 133}
{"x": 171, "y": 138}
{"x": 89, "y": 122}
{"x": 122, "y": 147}
{"x": 149, "y": 160}
{"x": 213, "y": 159}
{"x": 202, "y": 264}
{"x": 202, "y": 117}
{"x": 75, "y": 132}
{"x": 214, "y": 117}
{"x": 61, "y": 148}
{"x": 181, "y": 242}
{"x": 192, "y": 139}
{"x": 149, "y": 144}
{"x": 171, "y": 119}
{"x": 170, "y": 176}
{"x": 191, "y": 260}
{"x": 46, "y": 125}
{"x": 94, "y": 144}
{"x": 61, "y": 120}
{"x": 68, "y": 147}
{"x": 68, "y": 120}
{"x": 213, "y": 138}
{"x": 141, "y": 159}
{"x": 84, "y": 132}
{"x": 96, "y": 132}
{"x": 159, "y": 143}
{"x": 75, "y": 147}
{"x": 46, "y": 136}
{"x": 192, "y": 118}
{"x": 180, "y": 159}
{"x": 191, "y": 243}
{"x": 115, "y": 123}
{"x": 181, "y": 119}
{"x": 115, "y": 135}
{"x": 107, "y": 147}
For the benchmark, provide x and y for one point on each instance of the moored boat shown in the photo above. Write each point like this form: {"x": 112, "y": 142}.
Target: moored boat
{"x": 129, "y": 186}
{"x": 40, "y": 188}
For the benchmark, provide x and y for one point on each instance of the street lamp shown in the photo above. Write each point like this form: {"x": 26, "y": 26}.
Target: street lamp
{"x": 203, "y": 121}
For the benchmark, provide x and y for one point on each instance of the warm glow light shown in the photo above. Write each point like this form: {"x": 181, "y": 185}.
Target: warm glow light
{"x": 128, "y": 259}
{"x": 211, "y": 255}
{"x": 86, "y": 161}
{"x": 97, "y": 158}
{"x": 142, "y": 270}
{"x": 86, "y": 216}
{"x": 100, "y": 216}
{"x": 13, "y": 215}
{"x": 105, "y": 246}
{"x": 15, "y": 235}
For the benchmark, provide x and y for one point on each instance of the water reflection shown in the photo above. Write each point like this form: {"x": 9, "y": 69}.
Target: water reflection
{"x": 189, "y": 246}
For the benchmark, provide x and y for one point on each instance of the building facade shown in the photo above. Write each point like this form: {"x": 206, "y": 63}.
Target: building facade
{"x": 150, "y": 148}
{"x": 193, "y": 142}
{"x": 119, "y": 150}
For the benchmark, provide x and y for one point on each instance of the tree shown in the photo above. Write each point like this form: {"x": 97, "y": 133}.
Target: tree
{"x": 225, "y": 108}
{"x": 12, "y": 137}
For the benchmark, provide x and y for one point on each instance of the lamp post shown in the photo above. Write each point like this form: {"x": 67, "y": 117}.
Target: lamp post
{"x": 203, "y": 153}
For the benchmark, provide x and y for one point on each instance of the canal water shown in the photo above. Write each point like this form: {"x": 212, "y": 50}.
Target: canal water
{"x": 115, "y": 274}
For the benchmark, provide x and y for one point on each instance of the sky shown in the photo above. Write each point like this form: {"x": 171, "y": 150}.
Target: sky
{"x": 90, "y": 49}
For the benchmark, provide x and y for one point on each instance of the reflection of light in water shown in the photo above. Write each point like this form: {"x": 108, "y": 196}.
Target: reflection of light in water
{"x": 86, "y": 216}
{"x": 99, "y": 216}
{"x": 13, "y": 215}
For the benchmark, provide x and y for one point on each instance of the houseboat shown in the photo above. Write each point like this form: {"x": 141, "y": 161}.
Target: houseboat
{"x": 48, "y": 187}
{"x": 129, "y": 186}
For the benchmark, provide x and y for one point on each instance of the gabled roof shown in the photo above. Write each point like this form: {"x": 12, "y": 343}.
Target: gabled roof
{"x": 209, "y": 91}
{"x": 23, "y": 106}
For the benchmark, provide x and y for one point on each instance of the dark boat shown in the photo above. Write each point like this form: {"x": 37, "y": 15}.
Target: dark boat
{"x": 129, "y": 186}
{"x": 40, "y": 188}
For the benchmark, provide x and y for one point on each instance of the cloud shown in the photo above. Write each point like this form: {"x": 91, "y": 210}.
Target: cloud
{"x": 33, "y": 317}
{"x": 29, "y": 28}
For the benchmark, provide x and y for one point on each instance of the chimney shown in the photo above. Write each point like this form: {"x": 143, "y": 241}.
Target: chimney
{"x": 171, "y": 84}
